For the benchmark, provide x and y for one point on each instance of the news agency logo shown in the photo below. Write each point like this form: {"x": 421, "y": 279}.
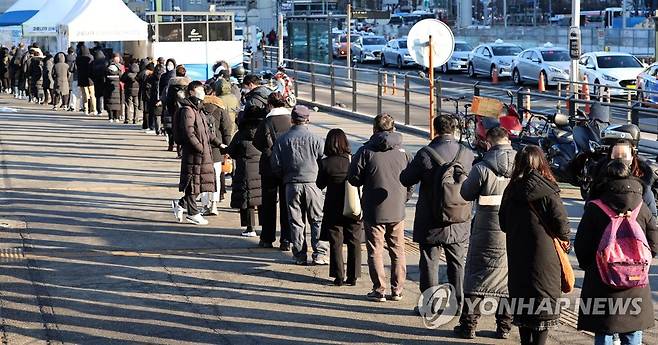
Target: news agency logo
{"x": 438, "y": 305}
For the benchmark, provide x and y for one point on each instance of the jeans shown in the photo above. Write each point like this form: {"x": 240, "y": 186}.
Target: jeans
{"x": 305, "y": 202}
{"x": 388, "y": 236}
{"x": 631, "y": 338}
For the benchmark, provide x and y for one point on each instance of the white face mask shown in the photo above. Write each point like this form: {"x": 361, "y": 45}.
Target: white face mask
{"x": 170, "y": 67}
{"x": 199, "y": 93}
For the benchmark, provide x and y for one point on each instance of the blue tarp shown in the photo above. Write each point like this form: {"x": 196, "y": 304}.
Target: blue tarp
{"x": 16, "y": 17}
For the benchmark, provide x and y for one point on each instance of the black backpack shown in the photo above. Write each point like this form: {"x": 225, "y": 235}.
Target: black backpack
{"x": 448, "y": 205}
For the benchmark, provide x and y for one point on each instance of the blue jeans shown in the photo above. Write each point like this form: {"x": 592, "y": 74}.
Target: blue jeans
{"x": 631, "y": 338}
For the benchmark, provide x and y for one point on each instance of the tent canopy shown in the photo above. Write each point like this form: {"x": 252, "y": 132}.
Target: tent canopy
{"x": 20, "y": 12}
{"x": 102, "y": 20}
{"x": 46, "y": 21}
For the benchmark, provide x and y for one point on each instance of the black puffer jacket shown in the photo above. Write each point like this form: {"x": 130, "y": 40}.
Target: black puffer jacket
{"x": 99, "y": 73}
{"x": 246, "y": 179}
{"x": 274, "y": 126}
{"x": 486, "y": 262}
{"x": 219, "y": 123}
{"x": 255, "y": 102}
{"x": 83, "y": 66}
{"x": 621, "y": 195}
{"x": 48, "y": 65}
{"x": 113, "y": 96}
{"x": 175, "y": 94}
{"x": 533, "y": 265}
{"x": 377, "y": 166}
{"x": 421, "y": 169}
{"x": 129, "y": 80}
{"x": 36, "y": 75}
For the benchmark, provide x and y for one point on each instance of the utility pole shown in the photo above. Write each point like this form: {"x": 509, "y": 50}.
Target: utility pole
{"x": 505, "y": 12}
{"x": 348, "y": 32}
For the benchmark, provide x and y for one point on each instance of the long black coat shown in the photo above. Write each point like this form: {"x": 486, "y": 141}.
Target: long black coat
{"x": 421, "y": 169}
{"x": 99, "y": 73}
{"x": 196, "y": 163}
{"x": 61, "y": 75}
{"x": 48, "y": 65}
{"x": 219, "y": 123}
{"x": 246, "y": 186}
{"x": 332, "y": 174}
{"x": 36, "y": 75}
{"x": 113, "y": 96}
{"x": 83, "y": 66}
{"x": 533, "y": 265}
{"x": 621, "y": 195}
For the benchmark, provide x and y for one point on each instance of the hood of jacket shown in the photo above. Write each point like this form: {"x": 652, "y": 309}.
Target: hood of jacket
{"x": 214, "y": 100}
{"x": 263, "y": 91}
{"x": 500, "y": 159}
{"x": 222, "y": 87}
{"x": 533, "y": 186}
{"x": 622, "y": 194}
{"x": 60, "y": 58}
{"x": 99, "y": 55}
{"x": 179, "y": 81}
{"x": 279, "y": 111}
{"x": 384, "y": 141}
{"x": 189, "y": 103}
{"x": 134, "y": 68}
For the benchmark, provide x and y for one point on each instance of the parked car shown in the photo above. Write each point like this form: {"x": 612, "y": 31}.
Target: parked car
{"x": 459, "y": 59}
{"x": 618, "y": 70}
{"x": 368, "y": 48}
{"x": 487, "y": 58}
{"x": 551, "y": 62}
{"x": 340, "y": 49}
{"x": 396, "y": 52}
{"x": 648, "y": 81}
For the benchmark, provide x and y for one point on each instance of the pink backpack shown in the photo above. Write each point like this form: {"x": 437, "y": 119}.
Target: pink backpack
{"x": 623, "y": 256}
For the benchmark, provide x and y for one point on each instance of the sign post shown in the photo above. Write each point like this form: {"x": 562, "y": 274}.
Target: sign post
{"x": 431, "y": 74}
{"x": 348, "y": 32}
{"x": 574, "y": 45}
{"x": 280, "y": 39}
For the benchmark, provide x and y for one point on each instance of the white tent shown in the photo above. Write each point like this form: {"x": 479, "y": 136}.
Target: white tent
{"x": 102, "y": 20}
{"x": 21, "y": 11}
{"x": 51, "y": 14}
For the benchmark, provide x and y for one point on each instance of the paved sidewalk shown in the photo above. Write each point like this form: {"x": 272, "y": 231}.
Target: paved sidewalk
{"x": 91, "y": 254}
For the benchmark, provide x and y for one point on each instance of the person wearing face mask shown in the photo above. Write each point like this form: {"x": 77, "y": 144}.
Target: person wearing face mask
{"x": 197, "y": 174}
{"x": 623, "y": 141}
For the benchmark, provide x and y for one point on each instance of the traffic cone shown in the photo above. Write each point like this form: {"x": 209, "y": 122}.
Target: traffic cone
{"x": 494, "y": 76}
{"x": 542, "y": 83}
{"x": 585, "y": 92}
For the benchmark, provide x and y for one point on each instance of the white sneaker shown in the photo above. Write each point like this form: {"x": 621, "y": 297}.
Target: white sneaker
{"x": 249, "y": 233}
{"x": 178, "y": 210}
{"x": 111, "y": 120}
{"x": 197, "y": 219}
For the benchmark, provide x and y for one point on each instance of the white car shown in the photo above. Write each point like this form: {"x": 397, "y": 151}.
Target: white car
{"x": 618, "y": 70}
{"x": 487, "y": 58}
{"x": 553, "y": 63}
{"x": 396, "y": 53}
{"x": 459, "y": 59}
{"x": 368, "y": 48}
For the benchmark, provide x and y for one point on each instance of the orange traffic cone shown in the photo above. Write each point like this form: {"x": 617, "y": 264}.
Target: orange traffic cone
{"x": 585, "y": 92}
{"x": 542, "y": 82}
{"x": 494, "y": 76}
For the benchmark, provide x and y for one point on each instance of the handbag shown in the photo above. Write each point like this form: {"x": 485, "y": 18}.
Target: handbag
{"x": 227, "y": 166}
{"x": 352, "y": 202}
{"x": 562, "y": 250}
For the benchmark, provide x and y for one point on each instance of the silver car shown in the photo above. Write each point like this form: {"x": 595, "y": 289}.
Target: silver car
{"x": 368, "y": 48}
{"x": 459, "y": 59}
{"x": 396, "y": 53}
{"x": 553, "y": 63}
{"x": 487, "y": 58}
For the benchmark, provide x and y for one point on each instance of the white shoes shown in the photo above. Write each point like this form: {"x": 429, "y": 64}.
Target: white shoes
{"x": 178, "y": 210}
{"x": 197, "y": 219}
{"x": 249, "y": 233}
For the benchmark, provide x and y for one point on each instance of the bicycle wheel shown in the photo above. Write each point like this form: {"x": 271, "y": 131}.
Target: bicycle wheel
{"x": 468, "y": 132}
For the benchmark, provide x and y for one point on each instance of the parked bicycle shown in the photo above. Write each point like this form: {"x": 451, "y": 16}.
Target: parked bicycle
{"x": 465, "y": 122}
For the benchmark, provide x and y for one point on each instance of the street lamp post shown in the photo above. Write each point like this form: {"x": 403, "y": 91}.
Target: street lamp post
{"x": 575, "y": 27}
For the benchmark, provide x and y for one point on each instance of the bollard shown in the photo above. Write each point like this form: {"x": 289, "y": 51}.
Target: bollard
{"x": 332, "y": 72}
{"x": 313, "y": 82}
{"x": 354, "y": 89}
{"x": 380, "y": 82}
{"x": 406, "y": 99}
{"x": 527, "y": 103}
{"x": 385, "y": 83}
{"x": 608, "y": 94}
{"x": 394, "y": 84}
{"x": 629, "y": 115}
{"x": 558, "y": 106}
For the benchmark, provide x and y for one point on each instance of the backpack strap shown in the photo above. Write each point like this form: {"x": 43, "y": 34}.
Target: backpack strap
{"x": 612, "y": 214}
{"x": 434, "y": 156}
